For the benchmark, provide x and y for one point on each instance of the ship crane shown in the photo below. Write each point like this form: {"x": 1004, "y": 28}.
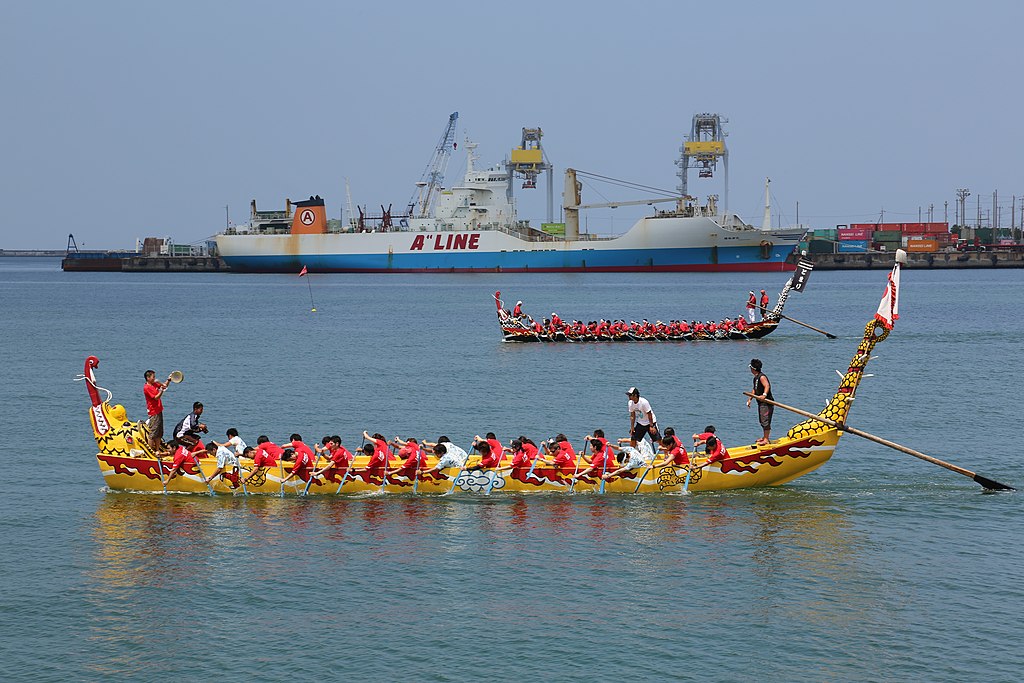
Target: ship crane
{"x": 528, "y": 161}
{"x": 421, "y": 204}
{"x": 571, "y": 198}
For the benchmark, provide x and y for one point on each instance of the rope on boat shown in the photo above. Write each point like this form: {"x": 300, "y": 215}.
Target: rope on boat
{"x": 81, "y": 377}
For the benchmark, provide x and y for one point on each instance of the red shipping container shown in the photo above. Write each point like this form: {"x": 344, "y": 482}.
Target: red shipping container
{"x": 853, "y": 233}
{"x": 937, "y": 228}
{"x": 915, "y": 228}
{"x": 862, "y": 226}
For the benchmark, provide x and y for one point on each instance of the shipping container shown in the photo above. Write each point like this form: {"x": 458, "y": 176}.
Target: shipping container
{"x": 829, "y": 234}
{"x": 915, "y": 228}
{"x": 887, "y": 234}
{"x": 848, "y": 246}
{"x": 922, "y": 245}
{"x": 821, "y": 247}
{"x": 865, "y": 226}
{"x": 855, "y": 233}
{"x": 937, "y": 227}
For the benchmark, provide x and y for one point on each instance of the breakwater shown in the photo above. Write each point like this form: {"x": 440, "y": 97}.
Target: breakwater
{"x": 936, "y": 260}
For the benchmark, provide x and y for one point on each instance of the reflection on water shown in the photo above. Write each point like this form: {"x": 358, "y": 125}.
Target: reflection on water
{"x": 163, "y": 563}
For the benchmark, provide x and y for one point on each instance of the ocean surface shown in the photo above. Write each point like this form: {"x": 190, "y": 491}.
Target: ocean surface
{"x": 876, "y": 567}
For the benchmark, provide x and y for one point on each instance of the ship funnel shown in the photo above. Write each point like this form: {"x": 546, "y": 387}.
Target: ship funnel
{"x": 310, "y": 217}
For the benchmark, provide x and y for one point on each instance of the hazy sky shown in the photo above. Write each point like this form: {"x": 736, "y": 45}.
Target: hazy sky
{"x": 129, "y": 119}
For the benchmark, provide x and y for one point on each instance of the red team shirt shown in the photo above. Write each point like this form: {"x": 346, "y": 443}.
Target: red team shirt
{"x": 304, "y": 457}
{"x": 267, "y": 454}
{"x": 566, "y": 456}
{"x": 154, "y": 405}
{"x": 341, "y": 457}
{"x": 602, "y": 459}
{"x": 413, "y": 456}
{"x": 182, "y": 456}
{"x": 492, "y": 459}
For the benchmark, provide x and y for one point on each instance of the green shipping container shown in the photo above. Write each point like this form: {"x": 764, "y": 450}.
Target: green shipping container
{"x": 828, "y": 234}
{"x": 821, "y": 247}
{"x": 887, "y": 235}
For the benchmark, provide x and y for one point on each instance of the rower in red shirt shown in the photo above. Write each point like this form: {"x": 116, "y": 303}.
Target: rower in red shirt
{"x": 715, "y": 450}
{"x": 560, "y": 454}
{"x": 339, "y": 458}
{"x": 380, "y": 445}
{"x": 601, "y": 459}
{"x": 414, "y": 457}
{"x": 304, "y": 459}
{"x": 675, "y": 454}
{"x": 184, "y": 455}
{"x": 495, "y": 451}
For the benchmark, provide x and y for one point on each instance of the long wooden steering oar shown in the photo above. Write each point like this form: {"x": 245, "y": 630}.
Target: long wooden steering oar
{"x": 810, "y": 327}
{"x": 989, "y": 484}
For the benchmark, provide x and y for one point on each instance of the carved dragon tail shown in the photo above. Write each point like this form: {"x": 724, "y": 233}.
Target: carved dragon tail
{"x": 839, "y": 406}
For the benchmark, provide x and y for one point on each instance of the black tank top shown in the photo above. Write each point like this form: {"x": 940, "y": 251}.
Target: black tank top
{"x": 757, "y": 386}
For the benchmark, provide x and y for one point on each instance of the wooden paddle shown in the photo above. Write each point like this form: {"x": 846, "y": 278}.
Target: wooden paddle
{"x": 989, "y": 484}
{"x": 461, "y": 471}
{"x": 810, "y": 327}
{"x": 576, "y": 470}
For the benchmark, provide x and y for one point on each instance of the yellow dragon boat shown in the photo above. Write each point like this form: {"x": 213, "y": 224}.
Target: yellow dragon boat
{"x": 128, "y": 464}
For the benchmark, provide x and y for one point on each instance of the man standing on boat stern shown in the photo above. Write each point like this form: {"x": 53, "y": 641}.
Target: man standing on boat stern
{"x": 154, "y": 391}
{"x": 762, "y": 389}
{"x": 641, "y": 418}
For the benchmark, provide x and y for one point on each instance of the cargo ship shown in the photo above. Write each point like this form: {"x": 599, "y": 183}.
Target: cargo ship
{"x": 473, "y": 227}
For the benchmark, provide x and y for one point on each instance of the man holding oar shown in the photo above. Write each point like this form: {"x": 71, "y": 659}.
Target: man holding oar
{"x": 449, "y": 455}
{"x": 762, "y": 390}
{"x": 601, "y": 459}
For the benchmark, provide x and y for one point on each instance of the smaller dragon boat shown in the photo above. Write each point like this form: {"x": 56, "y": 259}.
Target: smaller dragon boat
{"x": 128, "y": 464}
{"x": 517, "y": 326}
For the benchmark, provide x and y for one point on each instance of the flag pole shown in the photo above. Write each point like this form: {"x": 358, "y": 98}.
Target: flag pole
{"x": 305, "y": 273}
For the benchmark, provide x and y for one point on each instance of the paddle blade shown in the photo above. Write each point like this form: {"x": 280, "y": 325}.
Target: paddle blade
{"x": 176, "y": 376}
{"x": 991, "y": 485}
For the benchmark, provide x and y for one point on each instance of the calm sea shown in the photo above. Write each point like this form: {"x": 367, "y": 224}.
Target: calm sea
{"x": 876, "y": 567}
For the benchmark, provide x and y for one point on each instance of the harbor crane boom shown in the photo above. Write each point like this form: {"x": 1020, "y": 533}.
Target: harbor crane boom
{"x": 422, "y": 202}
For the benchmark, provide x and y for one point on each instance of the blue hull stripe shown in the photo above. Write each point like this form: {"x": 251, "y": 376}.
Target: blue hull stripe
{"x": 698, "y": 258}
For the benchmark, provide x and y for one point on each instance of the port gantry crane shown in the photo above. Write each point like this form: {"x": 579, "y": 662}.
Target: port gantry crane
{"x": 421, "y": 204}
{"x": 527, "y": 162}
{"x": 702, "y": 149}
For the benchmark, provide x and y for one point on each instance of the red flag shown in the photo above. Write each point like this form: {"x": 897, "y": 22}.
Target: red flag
{"x": 303, "y": 271}
{"x": 889, "y": 309}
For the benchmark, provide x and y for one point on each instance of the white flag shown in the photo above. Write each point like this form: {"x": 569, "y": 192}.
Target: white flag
{"x": 889, "y": 310}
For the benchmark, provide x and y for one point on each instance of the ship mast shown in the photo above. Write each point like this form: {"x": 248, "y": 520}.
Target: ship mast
{"x": 766, "y": 222}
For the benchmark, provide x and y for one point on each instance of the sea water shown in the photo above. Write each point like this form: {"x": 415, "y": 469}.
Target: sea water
{"x": 876, "y": 567}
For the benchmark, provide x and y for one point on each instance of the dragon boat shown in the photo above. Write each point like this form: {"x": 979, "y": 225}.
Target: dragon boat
{"x": 523, "y": 328}
{"x": 128, "y": 464}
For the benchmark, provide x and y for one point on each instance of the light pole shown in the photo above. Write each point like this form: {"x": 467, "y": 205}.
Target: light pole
{"x": 961, "y": 195}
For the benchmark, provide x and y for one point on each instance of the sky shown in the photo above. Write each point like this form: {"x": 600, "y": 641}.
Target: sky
{"x": 124, "y": 120}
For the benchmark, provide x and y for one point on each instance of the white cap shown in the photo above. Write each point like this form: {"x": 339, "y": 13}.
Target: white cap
{"x": 632, "y": 390}
{"x": 519, "y": 302}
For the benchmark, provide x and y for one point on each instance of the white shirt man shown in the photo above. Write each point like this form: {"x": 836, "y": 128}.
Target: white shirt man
{"x": 641, "y": 417}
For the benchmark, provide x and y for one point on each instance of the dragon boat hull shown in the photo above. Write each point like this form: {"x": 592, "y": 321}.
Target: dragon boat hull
{"x": 748, "y": 467}
{"x": 520, "y": 335}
